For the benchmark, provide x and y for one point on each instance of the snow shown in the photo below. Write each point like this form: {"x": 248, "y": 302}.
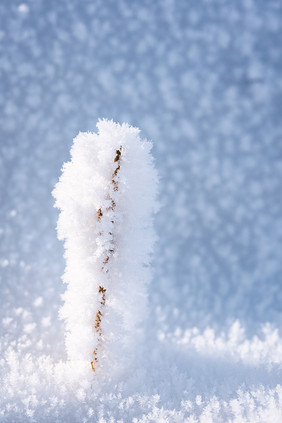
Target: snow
{"x": 202, "y": 80}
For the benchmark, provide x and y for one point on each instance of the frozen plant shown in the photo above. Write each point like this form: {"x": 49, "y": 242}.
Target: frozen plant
{"x": 107, "y": 197}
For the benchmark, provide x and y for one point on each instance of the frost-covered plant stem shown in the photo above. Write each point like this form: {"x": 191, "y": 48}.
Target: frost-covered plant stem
{"x": 107, "y": 197}
{"x": 108, "y": 253}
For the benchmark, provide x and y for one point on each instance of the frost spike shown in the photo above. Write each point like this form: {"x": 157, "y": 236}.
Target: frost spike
{"x": 106, "y": 196}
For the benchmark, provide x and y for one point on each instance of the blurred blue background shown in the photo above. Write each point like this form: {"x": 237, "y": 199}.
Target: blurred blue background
{"x": 203, "y": 80}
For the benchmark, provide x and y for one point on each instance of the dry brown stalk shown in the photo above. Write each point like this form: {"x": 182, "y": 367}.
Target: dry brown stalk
{"x": 102, "y": 290}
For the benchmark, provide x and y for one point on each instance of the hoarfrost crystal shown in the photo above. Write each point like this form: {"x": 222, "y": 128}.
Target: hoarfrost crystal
{"x": 107, "y": 197}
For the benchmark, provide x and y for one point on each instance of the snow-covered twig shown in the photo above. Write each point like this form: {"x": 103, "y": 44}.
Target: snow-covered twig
{"x": 106, "y": 196}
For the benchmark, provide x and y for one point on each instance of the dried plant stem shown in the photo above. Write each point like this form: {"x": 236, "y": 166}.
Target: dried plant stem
{"x": 104, "y": 268}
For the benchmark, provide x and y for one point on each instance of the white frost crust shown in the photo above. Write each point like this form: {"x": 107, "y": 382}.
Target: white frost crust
{"x": 84, "y": 187}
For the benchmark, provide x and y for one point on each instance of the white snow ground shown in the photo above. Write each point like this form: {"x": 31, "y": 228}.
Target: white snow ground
{"x": 202, "y": 79}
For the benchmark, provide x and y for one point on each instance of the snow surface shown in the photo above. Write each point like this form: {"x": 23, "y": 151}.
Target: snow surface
{"x": 202, "y": 79}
